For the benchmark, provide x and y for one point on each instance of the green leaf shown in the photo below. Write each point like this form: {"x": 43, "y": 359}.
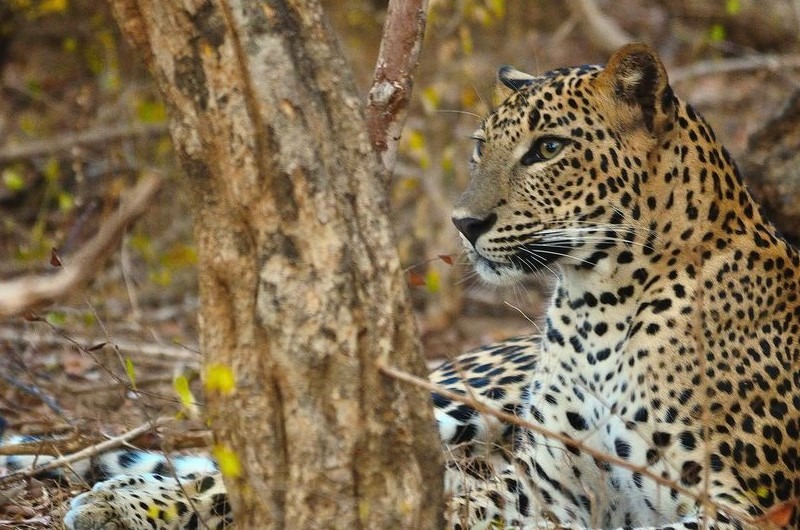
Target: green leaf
{"x": 733, "y": 7}
{"x": 56, "y": 318}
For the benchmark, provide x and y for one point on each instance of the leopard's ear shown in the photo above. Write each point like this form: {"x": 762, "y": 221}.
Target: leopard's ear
{"x": 636, "y": 76}
{"x": 509, "y": 81}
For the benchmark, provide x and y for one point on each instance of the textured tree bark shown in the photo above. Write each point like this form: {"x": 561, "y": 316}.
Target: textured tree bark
{"x": 300, "y": 284}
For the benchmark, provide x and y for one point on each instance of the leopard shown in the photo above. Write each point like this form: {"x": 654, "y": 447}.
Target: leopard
{"x": 663, "y": 389}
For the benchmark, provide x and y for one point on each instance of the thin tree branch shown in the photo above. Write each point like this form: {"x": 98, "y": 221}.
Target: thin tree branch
{"x": 772, "y": 63}
{"x": 161, "y": 352}
{"x": 64, "y": 142}
{"x": 24, "y": 294}
{"x": 145, "y": 440}
{"x": 602, "y": 30}
{"x": 93, "y": 450}
{"x": 563, "y": 438}
{"x": 387, "y": 103}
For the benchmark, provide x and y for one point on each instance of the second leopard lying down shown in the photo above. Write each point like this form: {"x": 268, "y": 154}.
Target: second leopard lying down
{"x": 671, "y": 341}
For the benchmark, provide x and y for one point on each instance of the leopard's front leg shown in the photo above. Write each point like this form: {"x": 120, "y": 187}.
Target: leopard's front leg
{"x": 152, "y": 502}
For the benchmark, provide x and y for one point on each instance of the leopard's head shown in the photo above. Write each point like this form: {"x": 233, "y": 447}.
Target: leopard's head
{"x": 557, "y": 165}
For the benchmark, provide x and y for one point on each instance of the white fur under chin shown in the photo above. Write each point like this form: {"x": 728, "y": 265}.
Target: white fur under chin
{"x": 494, "y": 275}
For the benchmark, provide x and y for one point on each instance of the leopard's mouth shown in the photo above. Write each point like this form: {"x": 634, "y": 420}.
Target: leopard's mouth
{"x": 538, "y": 255}
{"x": 494, "y": 272}
{"x": 530, "y": 258}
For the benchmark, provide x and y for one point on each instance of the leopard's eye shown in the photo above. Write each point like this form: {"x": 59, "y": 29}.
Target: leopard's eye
{"x": 542, "y": 149}
{"x": 477, "y": 152}
{"x": 478, "y": 148}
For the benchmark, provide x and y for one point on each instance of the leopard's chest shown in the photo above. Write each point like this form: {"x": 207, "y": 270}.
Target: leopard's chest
{"x": 607, "y": 382}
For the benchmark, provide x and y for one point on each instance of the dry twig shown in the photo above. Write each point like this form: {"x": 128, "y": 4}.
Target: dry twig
{"x": 566, "y": 440}
{"x": 387, "y": 103}
{"x": 24, "y": 294}
{"x": 88, "y": 452}
{"x": 64, "y": 142}
{"x": 602, "y": 30}
{"x": 772, "y": 63}
{"x": 147, "y": 440}
{"x": 160, "y": 352}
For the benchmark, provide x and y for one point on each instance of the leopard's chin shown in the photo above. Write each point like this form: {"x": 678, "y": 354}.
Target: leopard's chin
{"x": 496, "y": 273}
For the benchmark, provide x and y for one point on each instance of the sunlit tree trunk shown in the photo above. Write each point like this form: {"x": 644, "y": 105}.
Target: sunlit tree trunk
{"x": 300, "y": 283}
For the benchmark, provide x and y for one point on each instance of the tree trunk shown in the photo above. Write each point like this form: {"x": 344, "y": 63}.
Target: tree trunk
{"x": 300, "y": 283}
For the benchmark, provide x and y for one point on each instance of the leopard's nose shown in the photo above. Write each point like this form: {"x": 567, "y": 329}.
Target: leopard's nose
{"x": 473, "y": 228}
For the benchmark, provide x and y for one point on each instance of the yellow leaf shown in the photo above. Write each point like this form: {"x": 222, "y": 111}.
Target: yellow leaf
{"x": 466, "y": 40}
{"x": 498, "y": 8}
{"x": 52, "y": 6}
{"x": 181, "y": 386}
{"x": 416, "y": 142}
{"x": 161, "y": 277}
{"x": 733, "y": 7}
{"x": 227, "y": 460}
{"x": 409, "y": 184}
{"x": 448, "y": 165}
{"x": 717, "y": 33}
{"x": 152, "y": 512}
{"x": 51, "y": 170}
{"x": 468, "y": 98}
{"x": 129, "y": 369}
{"x": 363, "y": 510}
{"x": 13, "y": 179}
{"x": 179, "y": 255}
{"x": 65, "y": 202}
{"x": 151, "y": 112}
{"x": 70, "y": 44}
{"x": 219, "y": 378}
{"x": 141, "y": 243}
{"x": 433, "y": 281}
{"x": 431, "y": 98}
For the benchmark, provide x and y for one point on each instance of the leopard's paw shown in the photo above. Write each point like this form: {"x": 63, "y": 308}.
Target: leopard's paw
{"x": 150, "y": 502}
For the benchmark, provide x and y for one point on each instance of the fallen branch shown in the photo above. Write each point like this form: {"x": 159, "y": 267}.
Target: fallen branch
{"x": 49, "y": 446}
{"x": 129, "y": 347}
{"x": 64, "y": 142}
{"x": 772, "y": 63}
{"x": 645, "y": 471}
{"x": 88, "y": 452}
{"x": 72, "y": 443}
{"x": 27, "y": 293}
{"x": 387, "y": 103}
{"x": 603, "y": 31}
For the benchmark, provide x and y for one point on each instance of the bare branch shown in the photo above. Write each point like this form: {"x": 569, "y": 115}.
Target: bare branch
{"x": 145, "y": 440}
{"x": 772, "y": 63}
{"x": 93, "y": 450}
{"x": 563, "y": 438}
{"x": 387, "y": 103}
{"x": 129, "y": 347}
{"x": 602, "y": 30}
{"x": 23, "y": 294}
{"x": 64, "y": 142}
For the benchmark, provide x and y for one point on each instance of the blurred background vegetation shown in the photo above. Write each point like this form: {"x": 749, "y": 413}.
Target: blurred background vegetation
{"x": 80, "y": 119}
